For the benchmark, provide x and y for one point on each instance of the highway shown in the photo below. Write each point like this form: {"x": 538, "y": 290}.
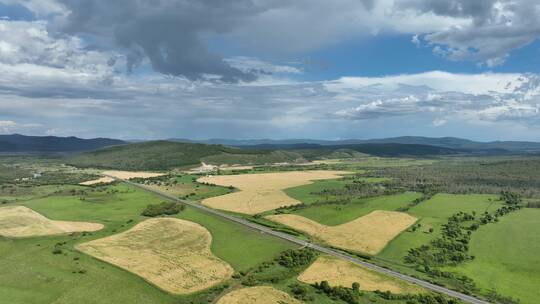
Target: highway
{"x": 290, "y": 238}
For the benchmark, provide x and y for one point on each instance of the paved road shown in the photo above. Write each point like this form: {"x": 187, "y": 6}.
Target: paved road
{"x": 290, "y": 238}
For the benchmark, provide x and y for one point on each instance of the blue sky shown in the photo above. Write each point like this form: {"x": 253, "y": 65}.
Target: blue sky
{"x": 271, "y": 68}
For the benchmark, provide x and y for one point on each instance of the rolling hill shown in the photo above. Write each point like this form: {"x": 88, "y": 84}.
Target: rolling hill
{"x": 49, "y": 144}
{"x": 163, "y": 155}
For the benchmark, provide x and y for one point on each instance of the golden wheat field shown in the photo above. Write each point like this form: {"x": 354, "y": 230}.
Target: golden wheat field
{"x": 19, "y": 221}
{"x": 367, "y": 234}
{"x": 263, "y": 191}
{"x": 339, "y": 272}
{"x": 171, "y": 253}
{"x": 257, "y": 295}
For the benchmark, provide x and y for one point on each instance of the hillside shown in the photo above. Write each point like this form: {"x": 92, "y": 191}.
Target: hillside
{"x": 163, "y": 155}
{"x": 314, "y": 151}
{"x": 497, "y": 147}
{"x": 392, "y": 149}
{"x": 22, "y": 143}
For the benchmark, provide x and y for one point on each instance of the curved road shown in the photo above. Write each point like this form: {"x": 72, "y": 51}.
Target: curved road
{"x": 290, "y": 238}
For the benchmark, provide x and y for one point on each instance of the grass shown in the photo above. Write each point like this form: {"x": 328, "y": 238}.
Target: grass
{"x": 507, "y": 256}
{"x": 185, "y": 186}
{"x": 434, "y": 213}
{"x": 442, "y": 205}
{"x": 239, "y": 246}
{"x": 30, "y": 273}
{"x": 336, "y": 214}
{"x": 309, "y": 194}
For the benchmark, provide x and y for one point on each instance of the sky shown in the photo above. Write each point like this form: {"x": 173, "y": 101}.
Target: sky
{"x": 244, "y": 69}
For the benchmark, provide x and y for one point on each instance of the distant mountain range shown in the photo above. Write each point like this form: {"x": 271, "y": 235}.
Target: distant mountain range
{"x": 396, "y": 146}
{"x": 52, "y": 144}
{"x": 455, "y": 143}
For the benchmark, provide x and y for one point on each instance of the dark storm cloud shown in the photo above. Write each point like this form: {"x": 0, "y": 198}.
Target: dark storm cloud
{"x": 496, "y": 28}
{"x": 171, "y": 33}
{"x": 479, "y": 10}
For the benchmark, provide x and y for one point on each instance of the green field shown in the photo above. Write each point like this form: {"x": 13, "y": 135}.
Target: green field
{"x": 186, "y": 187}
{"x": 309, "y": 194}
{"x": 30, "y": 273}
{"x": 434, "y": 213}
{"x": 239, "y": 246}
{"x": 507, "y": 256}
{"x": 336, "y": 214}
{"x": 506, "y": 252}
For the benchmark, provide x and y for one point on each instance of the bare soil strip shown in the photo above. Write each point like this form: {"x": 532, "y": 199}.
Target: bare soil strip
{"x": 20, "y": 221}
{"x": 103, "y": 180}
{"x": 131, "y": 174}
{"x": 339, "y": 272}
{"x": 261, "y": 192}
{"x": 367, "y": 234}
{"x": 171, "y": 253}
{"x": 258, "y": 295}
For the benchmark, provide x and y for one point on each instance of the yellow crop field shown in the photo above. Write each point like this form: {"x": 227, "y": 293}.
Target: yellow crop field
{"x": 261, "y": 192}
{"x": 339, "y": 272}
{"x": 171, "y": 253}
{"x": 258, "y": 295}
{"x": 368, "y": 234}
{"x": 19, "y": 221}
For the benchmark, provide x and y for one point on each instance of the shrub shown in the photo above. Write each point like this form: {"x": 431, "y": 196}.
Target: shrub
{"x": 292, "y": 258}
{"x": 165, "y": 208}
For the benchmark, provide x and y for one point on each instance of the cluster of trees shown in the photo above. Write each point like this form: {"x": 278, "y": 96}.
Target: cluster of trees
{"x": 449, "y": 249}
{"x": 452, "y": 247}
{"x": 533, "y": 204}
{"x": 511, "y": 198}
{"x": 300, "y": 292}
{"x": 423, "y": 298}
{"x": 348, "y": 295}
{"x": 156, "y": 180}
{"x": 359, "y": 189}
{"x": 463, "y": 176}
{"x": 487, "y": 218}
{"x": 165, "y": 208}
{"x": 294, "y": 258}
{"x": 286, "y": 265}
{"x": 416, "y": 201}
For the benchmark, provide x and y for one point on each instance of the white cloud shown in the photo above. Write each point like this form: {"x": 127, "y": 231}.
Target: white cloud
{"x": 437, "y": 122}
{"x": 437, "y": 80}
{"x": 10, "y": 126}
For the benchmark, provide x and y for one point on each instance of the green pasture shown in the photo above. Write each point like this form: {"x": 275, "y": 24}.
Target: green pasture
{"x": 433, "y": 214}
{"x": 31, "y": 273}
{"x": 309, "y": 194}
{"x": 507, "y": 256}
